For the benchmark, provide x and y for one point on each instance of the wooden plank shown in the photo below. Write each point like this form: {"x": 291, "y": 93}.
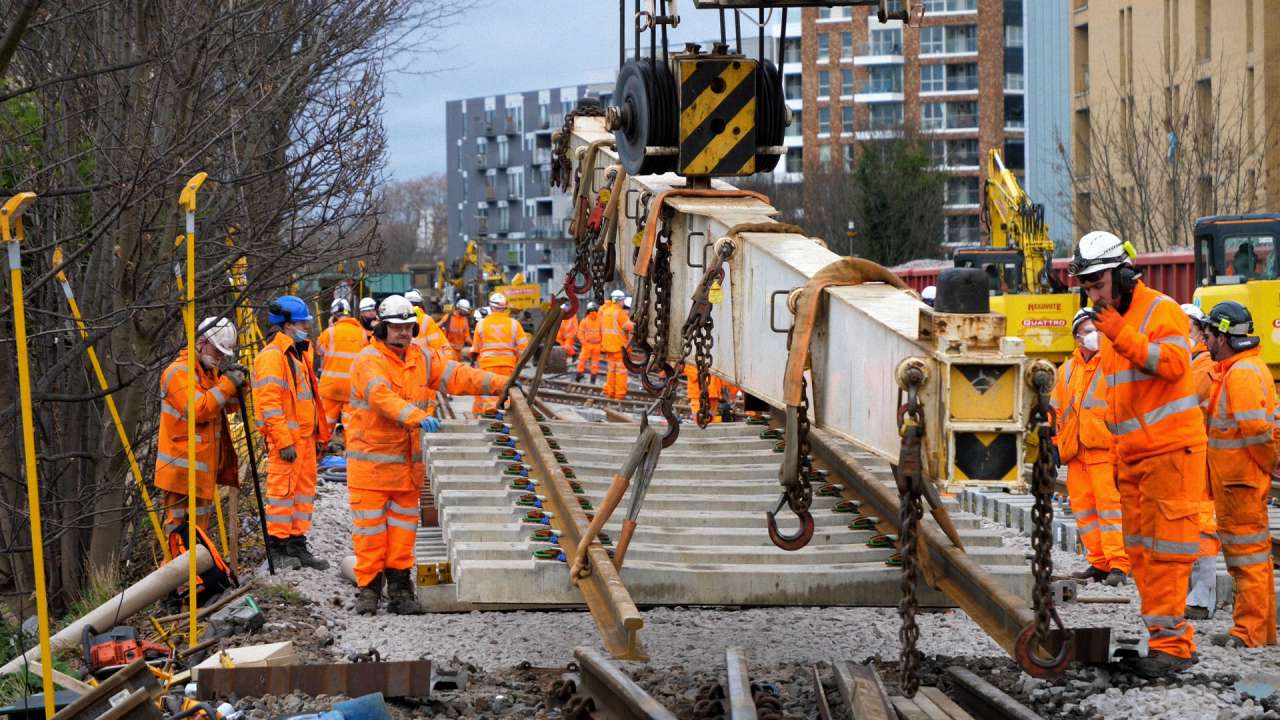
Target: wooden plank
{"x": 928, "y": 707}
{"x": 129, "y": 679}
{"x": 392, "y": 679}
{"x": 954, "y": 711}
{"x": 907, "y": 709}
{"x": 863, "y": 693}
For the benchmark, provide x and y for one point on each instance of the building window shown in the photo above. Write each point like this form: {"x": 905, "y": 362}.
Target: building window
{"x": 962, "y": 115}
{"x": 1014, "y": 81}
{"x": 846, "y": 119}
{"x": 933, "y": 78}
{"x": 938, "y": 153}
{"x": 795, "y": 160}
{"x": 846, "y": 81}
{"x": 793, "y": 87}
{"x": 885, "y": 116}
{"x": 932, "y": 116}
{"x": 504, "y": 219}
{"x": 846, "y": 152}
{"x": 792, "y": 51}
{"x": 962, "y": 38}
{"x": 884, "y": 79}
{"x": 824, "y": 47}
{"x": 933, "y": 40}
{"x": 963, "y": 230}
{"x": 846, "y": 45}
{"x": 1015, "y": 154}
{"x": 962, "y": 191}
{"x": 824, "y": 121}
{"x": 824, "y": 84}
{"x": 824, "y": 156}
{"x": 962, "y": 153}
{"x": 796, "y": 128}
{"x": 886, "y": 42}
{"x": 962, "y": 77}
{"x": 503, "y": 155}
{"x": 1013, "y": 112}
{"x": 952, "y": 6}
{"x": 1013, "y": 36}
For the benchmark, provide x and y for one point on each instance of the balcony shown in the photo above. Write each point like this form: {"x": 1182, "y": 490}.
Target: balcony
{"x": 515, "y": 192}
{"x": 490, "y": 130}
{"x": 962, "y": 121}
{"x": 538, "y": 188}
{"x": 542, "y": 156}
{"x": 482, "y": 161}
{"x": 482, "y": 225}
{"x": 544, "y": 227}
{"x": 513, "y": 127}
{"x": 877, "y": 53}
{"x": 490, "y": 193}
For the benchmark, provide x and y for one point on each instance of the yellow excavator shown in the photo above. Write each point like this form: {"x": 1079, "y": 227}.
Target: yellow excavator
{"x": 1018, "y": 260}
{"x": 488, "y": 276}
{"x": 1236, "y": 259}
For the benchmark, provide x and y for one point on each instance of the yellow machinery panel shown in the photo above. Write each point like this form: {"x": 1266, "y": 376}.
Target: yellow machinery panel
{"x": 717, "y": 115}
{"x": 984, "y": 392}
{"x": 1042, "y": 321}
{"x": 986, "y": 456}
{"x": 1262, "y": 297}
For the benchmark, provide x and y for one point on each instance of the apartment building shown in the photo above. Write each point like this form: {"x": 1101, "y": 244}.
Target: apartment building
{"x": 1207, "y": 73}
{"x": 958, "y": 79}
{"x": 499, "y": 179}
{"x": 1048, "y": 41}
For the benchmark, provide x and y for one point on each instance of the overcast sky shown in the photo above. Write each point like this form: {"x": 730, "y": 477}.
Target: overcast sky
{"x": 510, "y": 46}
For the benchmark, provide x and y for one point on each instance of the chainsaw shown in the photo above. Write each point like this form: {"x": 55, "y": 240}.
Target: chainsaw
{"x": 108, "y": 652}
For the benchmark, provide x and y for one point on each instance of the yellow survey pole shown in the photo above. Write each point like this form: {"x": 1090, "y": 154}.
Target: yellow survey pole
{"x": 187, "y": 201}
{"x": 13, "y": 235}
{"x": 111, "y": 406}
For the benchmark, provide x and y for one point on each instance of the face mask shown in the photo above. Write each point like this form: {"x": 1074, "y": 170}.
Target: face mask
{"x": 299, "y": 335}
{"x": 1090, "y": 341}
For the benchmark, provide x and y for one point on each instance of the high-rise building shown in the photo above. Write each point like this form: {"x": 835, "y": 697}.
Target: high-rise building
{"x": 1199, "y": 80}
{"x": 1049, "y": 114}
{"x": 958, "y": 79}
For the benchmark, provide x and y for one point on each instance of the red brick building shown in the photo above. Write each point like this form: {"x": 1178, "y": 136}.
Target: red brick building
{"x": 958, "y": 79}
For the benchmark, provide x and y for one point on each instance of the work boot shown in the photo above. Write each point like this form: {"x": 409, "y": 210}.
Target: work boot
{"x": 402, "y": 598}
{"x": 1195, "y": 612}
{"x": 369, "y": 596}
{"x": 1115, "y": 578}
{"x": 593, "y": 379}
{"x": 577, "y": 378}
{"x": 278, "y": 550}
{"x": 1092, "y": 574}
{"x": 1159, "y": 664}
{"x": 1226, "y": 640}
{"x": 297, "y": 548}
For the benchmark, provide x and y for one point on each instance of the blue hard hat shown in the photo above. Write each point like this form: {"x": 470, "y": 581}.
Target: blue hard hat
{"x": 287, "y": 308}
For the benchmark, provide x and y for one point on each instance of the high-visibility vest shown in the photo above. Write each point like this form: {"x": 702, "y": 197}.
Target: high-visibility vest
{"x": 389, "y": 398}
{"x": 613, "y": 327}
{"x": 457, "y": 330}
{"x": 589, "y": 331}
{"x": 1242, "y": 421}
{"x": 567, "y": 332}
{"x": 285, "y": 408}
{"x": 215, "y": 395}
{"x": 338, "y": 346}
{"x": 431, "y": 336}
{"x": 1202, "y": 370}
{"x": 1151, "y": 396}
{"x": 1081, "y": 410}
{"x": 499, "y": 340}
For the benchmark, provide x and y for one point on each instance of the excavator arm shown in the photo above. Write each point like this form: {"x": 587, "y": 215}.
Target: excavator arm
{"x": 1016, "y": 222}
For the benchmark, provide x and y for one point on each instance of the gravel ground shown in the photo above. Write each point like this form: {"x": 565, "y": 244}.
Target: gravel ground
{"x": 514, "y": 656}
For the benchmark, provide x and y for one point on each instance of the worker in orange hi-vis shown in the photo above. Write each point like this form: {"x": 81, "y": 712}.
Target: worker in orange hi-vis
{"x": 336, "y": 349}
{"x": 615, "y": 326}
{"x": 1154, "y": 413}
{"x": 216, "y": 385}
{"x": 590, "y": 336}
{"x": 368, "y": 316}
{"x": 1202, "y": 595}
{"x": 457, "y": 328}
{"x": 392, "y": 384}
{"x": 287, "y": 412}
{"x": 1084, "y": 444}
{"x": 429, "y": 333}
{"x": 1242, "y": 454}
{"x": 714, "y": 388}
{"x": 499, "y": 340}
{"x": 568, "y": 332}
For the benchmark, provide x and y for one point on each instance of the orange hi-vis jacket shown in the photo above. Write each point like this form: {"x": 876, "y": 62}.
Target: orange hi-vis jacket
{"x": 499, "y": 341}
{"x": 431, "y": 336}
{"x": 567, "y": 332}
{"x": 589, "y": 331}
{"x": 1242, "y": 430}
{"x": 1202, "y": 371}
{"x": 285, "y": 406}
{"x": 1082, "y": 413}
{"x": 215, "y": 454}
{"x": 614, "y": 327}
{"x": 337, "y": 347}
{"x": 1151, "y": 394}
{"x": 389, "y": 400}
{"x": 457, "y": 330}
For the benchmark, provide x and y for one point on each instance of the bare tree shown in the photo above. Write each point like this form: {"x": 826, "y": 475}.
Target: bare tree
{"x": 1147, "y": 166}
{"x": 413, "y": 225}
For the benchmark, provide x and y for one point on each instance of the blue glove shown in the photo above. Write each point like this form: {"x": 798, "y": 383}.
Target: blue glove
{"x": 431, "y": 425}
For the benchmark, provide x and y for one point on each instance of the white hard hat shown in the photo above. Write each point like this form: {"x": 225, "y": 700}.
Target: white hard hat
{"x": 220, "y": 333}
{"x": 929, "y": 293}
{"x": 591, "y": 306}
{"x": 413, "y": 296}
{"x": 340, "y": 306}
{"x": 1098, "y": 251}
{"x": 617, "y": 295}
{"x": 626, "y": 302}
{"x": 498, "y": 301}
{"x": 1081, "y": 315}
{"x": 464, "y": 304}
{"x": 1195, "y": 313}
{"x": 368, "y": 304}
{"x": 396, "y": 310}
{"x": 564, "y": 307}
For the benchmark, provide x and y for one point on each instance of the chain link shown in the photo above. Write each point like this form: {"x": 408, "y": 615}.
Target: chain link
{"x": 1043, "y": 475}
{"x": 910, "y": 512}
{"x": 562, "y": 175}
{"x": 660, "y": 279}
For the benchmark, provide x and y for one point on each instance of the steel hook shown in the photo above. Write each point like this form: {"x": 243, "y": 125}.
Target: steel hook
{"x": 1024, "y": 651}
{"x": 794, "y": 542}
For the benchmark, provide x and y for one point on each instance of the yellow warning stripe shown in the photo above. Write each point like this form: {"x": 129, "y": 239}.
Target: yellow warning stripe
{"x": 692, "y": 117}
{"x": 718, "y": 148}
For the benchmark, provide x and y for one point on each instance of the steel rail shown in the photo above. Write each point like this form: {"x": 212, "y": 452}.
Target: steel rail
{"x": 983, "y": 699}
{"x": 606, "y": 596}
{"x": 742, "y": 706}
{"x": 863, "y": 694}
{"x": 614, "y": 695}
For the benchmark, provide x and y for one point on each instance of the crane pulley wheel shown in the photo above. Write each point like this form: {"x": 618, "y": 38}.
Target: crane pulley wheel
{"x": 771, "y": 114}
{"x": 647, "y": 117}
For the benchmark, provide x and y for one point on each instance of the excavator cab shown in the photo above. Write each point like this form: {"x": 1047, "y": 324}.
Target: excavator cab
{"x": 1235, "y": 259}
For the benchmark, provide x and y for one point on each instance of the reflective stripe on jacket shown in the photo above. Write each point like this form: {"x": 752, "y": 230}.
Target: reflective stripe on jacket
{"x": 431, "y": 336}
{"x": 215, "y": 395}
{"x": 338, "y": 347}
{"x": 284, "y": 386}
{"x": 457, "y": 330}
{"x": 389, "y": 400}
{"x": 589, "y": 329}
{"x": 1242, "y": 428}
{"x": 499, "y": 340}
{"x": 1082, "y": 411}
{"x": 1151, "y": 396}
{"x": 615, "y": 325}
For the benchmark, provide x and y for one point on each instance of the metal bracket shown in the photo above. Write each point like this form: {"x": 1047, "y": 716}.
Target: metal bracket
{"x": 626, "y": 209}
{"x": 688, "y": 249}
{"x": 773, "y": 303}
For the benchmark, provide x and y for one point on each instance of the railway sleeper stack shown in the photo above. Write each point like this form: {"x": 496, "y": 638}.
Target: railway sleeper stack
{"x": 701, "y": 539}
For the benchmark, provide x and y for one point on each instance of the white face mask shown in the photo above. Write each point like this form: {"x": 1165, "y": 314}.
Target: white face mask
{"x": 1090, "y": 341}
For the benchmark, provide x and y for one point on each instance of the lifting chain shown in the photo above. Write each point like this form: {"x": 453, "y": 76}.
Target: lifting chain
{"x": 561, "y": 165}
{"x": 696, "y": 332}
{"x": 638, "y": 352}
{"x": 909, "y": 476}
{"x": 1043, "y": 474}
{"x": 584, "y": 276}
{"x": 660, "y": 278}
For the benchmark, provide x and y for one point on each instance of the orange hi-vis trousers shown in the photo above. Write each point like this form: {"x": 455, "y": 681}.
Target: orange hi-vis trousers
{"x": 1246, "y": 545}
{"x": 490, "y": 402}
{"x": 615, "y": 382}
{"x": 589, "y": 359}
{"x": 175, "y": 511}
{"x": 291, "y": 491}
{"x": 384, "y": 529}
{"x": 1095, "y": 502}
{"x": 1161, "y": 497}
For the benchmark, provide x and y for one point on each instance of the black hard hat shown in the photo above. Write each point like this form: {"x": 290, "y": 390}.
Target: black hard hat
{"x": 1234, "y": 320}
